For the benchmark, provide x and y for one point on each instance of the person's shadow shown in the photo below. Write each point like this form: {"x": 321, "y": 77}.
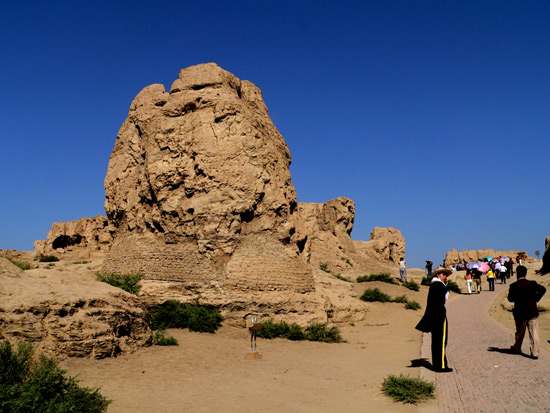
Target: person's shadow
{"x": 508, "y": 350}
{"x": 422, "y": 362}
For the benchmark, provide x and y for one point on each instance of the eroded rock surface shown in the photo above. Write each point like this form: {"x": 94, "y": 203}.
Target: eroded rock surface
{"x": 64, "y": 314}
{"x": 84, "y": 238}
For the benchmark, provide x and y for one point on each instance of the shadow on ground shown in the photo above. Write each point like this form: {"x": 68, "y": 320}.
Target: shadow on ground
{"x": 508, "y": 350}
{"x": 422, "y": 362}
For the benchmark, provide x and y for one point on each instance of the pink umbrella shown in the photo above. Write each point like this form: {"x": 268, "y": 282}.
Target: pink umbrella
{"x": 483, "y": 267}
{"x": 504, "y": 259}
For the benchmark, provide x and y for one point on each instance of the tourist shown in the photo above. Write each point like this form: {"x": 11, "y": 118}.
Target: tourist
{"x": 510, "y": 267}
{"x": 525, "y": 294}
{"x": 503, "y": 271}
{"x": 491, "y": 279}
{"x": 468, "y": 278}
{"x": 435, "y": 319}
{"x": 429, "y": 265}
{"x": 402, "y": 270}
{"x": 476, "y": 275}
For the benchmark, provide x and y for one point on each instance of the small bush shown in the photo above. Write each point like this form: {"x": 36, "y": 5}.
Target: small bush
{"x": 173, "y": 314}
{"x": 406, "y": 389}
{"x": 27, "y": 385}
{"x": 347, "y": 261}
{"x": 161, "y": 339}
{"x": 412, "y": 305}
{"x": 320, "y": 332}
{"x": 48, "y": 258}
{"x": 453, "y": 287}
{"x": 411, "y": 285}
{"x": 375, "y": 295}
{"x": 386, "y": 278}
{"x": 400, "y": 299}
{"x": 425, "y": 281}
{"x": 24, "y": 265}
{"x": 49, "y": 266}
{"x": 127, "y": 282}
{"x": 313, "y": 332}
{"x": 343, "y": 278}
{"x": 324, "y": 267}
{"x": 81, "y": 262}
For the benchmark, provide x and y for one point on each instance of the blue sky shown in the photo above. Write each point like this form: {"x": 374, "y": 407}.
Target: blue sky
{"x": 433, "y": 116}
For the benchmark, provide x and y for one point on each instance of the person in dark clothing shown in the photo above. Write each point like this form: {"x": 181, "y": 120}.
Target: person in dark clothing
{"x": 435, "y": 319}
{"x": 525, "y": 294}
{"x": 429, "y": 265}
{"x": 510, "y": 267}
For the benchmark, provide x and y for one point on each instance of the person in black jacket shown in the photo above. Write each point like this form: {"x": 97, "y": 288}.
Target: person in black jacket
{"x": 435, "y": 319}
{"x": 525, "y": 294}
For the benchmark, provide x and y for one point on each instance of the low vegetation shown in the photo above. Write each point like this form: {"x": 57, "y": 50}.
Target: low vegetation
{"x": 375, "y": 294}
{"x": 48, "y": 258}
{"x": 162, "y": 339}
{"x": 173, "y": 314}
{"x": 127, "y": 282}
{"x": 412, "y": 305}
{"x": 411, "y": 285}
{"x": 313, "y": 332}
{"x": 30, "y": 385}
{"x": 406, "y": 389}
{"x": 453, "y": 286}
{"x": 24, "y": 265}
{"x": 425, "y": 281}
{"x": 324, "y": 267}
{"x": 386, "y": 278}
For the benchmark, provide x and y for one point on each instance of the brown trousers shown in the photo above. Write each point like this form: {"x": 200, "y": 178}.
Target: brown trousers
{"x": 533, "y": 326}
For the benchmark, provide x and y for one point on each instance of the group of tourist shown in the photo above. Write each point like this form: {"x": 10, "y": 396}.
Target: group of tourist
{"x": 523, "y": 293}
{"x": 501, "y": 268}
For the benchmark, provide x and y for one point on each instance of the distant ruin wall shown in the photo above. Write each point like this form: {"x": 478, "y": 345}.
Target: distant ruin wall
{"x": 454, "y": 257}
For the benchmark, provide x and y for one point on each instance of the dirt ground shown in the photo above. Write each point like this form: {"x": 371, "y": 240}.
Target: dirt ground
{"x": 208, "y": 372}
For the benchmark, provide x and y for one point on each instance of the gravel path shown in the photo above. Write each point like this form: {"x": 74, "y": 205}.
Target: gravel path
{"x": 486, "y": 377}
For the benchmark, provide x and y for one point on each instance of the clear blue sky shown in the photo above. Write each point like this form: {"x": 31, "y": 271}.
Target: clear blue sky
{"x": 433, "y": 116}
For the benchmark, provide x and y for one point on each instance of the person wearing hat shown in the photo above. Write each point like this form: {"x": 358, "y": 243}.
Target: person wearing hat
{"x": 525, "y": 294}
{"x": 435, "y": 319}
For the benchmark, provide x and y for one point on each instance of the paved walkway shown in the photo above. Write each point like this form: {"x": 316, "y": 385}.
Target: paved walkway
{"x": 486, "y": 378}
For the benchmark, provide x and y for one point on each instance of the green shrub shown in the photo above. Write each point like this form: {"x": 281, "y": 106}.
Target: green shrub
{"x": 411, "y": 285}
{"x": 453, "y": 287}
{"x": 49, "y": 266}
{"x": 347, "y": 261}
{"x": 81, "y": 262}
{"x": 313, "y": 332}
{"x": 161, "y": 339}
{"x": 320, "y": 332}
{"x": 48, "y": 258}
{"x": 412, "y": 305}
{"x": 400, "y": 299}
{"x": 173, "y": 314}
{"x": 24, "y": 265}
{"x": 27, "y": 385}
{"x": 375, "y": 295}
{"x": 425, "y": 281}
{"x": 324, "y": 267}
{"x": 343, "y": 278}
{"x": 406, "y": 389}
{"x": 127, "y": 282}
{"x": 386, "y": 278}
